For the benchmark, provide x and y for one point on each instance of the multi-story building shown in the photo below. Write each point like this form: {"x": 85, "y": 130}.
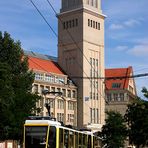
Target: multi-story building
{"x": 49, "y": 76}
{"x": 81, "y": 56}
{"x": 120, "y": 89}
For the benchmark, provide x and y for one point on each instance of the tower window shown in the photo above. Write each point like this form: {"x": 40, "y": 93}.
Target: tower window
{"x": 88, "y": 22}
{"x": 70, "y": 23}
{"x": 98, "y": 26}
{"x": 93, "y": 24}
{"x": 76, "y": 22}
{"x": 64, "y": 25}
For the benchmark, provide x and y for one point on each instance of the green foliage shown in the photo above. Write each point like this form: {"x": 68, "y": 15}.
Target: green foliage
{"x": 145, "y": 92}
{"x": 137, "y": 119}
{"x": 114, "y": 132}
{"x": 16, "y": 100}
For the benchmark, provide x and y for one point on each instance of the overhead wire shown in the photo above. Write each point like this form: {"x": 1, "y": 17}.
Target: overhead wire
{"x": 79, "y": 50}
{"x": 55, "y": 32}
{"x": 74, "y": 43}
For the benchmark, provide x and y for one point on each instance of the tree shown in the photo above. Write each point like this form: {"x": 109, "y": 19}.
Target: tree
{"x": 16, "y": 100}
{"x": 114, "y": 132}
{"x": 137, "y": 119}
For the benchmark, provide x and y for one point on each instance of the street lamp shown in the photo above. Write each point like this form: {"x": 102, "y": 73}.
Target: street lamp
{"x": 47, "y": 105}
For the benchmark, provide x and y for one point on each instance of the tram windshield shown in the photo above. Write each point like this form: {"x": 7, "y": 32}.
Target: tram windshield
{"x": 35, "y": 136}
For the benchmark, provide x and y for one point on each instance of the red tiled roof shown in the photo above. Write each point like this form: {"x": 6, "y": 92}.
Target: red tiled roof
{"x": 44, "y": 65}
{"x": 117, "y": 72}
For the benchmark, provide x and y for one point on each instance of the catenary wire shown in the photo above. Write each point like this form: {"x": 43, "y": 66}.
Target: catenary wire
{"x": 61, "y": 41}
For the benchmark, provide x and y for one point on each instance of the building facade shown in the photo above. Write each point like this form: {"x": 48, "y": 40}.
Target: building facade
{"x": 119, "y": 91}
{"x": 50, "y": 77}
{"x": 81, "y": 55}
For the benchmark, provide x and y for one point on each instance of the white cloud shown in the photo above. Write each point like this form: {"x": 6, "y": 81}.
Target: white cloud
{"x": 131, "y": 23}
{"x": 121, "y": 48}
{"x": 116, "y": 26}
{"x": 139, "y": 50}
{"x": 124, "y": 24}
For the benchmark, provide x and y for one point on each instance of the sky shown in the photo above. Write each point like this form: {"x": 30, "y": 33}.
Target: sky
{"x": 126, "y": 31}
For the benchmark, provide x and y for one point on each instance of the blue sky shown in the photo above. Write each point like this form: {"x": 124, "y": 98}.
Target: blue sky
{"x": 126, "y": 33}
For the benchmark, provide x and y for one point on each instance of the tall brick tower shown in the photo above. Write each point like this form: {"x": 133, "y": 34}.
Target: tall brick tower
{"x": 81, "y": 55}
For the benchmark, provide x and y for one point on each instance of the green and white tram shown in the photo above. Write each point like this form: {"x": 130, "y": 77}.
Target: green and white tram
{"x": 41, "y": 132}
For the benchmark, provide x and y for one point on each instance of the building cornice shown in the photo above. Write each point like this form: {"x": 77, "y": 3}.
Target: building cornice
{"x": 83, "y": 9}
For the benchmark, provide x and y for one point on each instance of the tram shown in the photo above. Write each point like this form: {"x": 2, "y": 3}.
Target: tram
{"x": 42, "y": 132}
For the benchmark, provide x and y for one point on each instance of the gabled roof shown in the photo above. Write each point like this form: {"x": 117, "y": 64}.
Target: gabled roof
{"x": 116, "y": 84}
{"x": 47, "y": 66}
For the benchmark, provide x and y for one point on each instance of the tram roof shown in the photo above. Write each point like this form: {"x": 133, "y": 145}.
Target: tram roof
{"x": 48, "y": 122}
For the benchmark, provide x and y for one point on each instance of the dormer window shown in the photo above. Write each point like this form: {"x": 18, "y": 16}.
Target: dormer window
{"x": 116, "y": 85}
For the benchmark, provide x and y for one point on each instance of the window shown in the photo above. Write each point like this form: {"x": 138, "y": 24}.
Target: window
{"x": 121, "y": 96}
{"x": 64, "y": 92}
{"x": 35, "y": 88}
{"x": 109, "y": 97}
{"x": 64, "y": 25}
{"x": 69, "y": 94}
{"x": 115, "y": 97}
{"x": 97, "y": 97}
{"x": 61, "y": 138}
{"x": 98, "y": 26}
{"x": 70, "y": 118}
{"x": 70, "y": 23}
{"x": 39, "y": 76}
{"x": 90, "y": 95}
{"x": 60, "y": 117}
{"x": 58, "y": 89}
{"x": 97, "y": 85}
{"x": 74, "y": 94}
{"x": 88, "y": 22}
{"x": 76, "y": 22}
{"x": 116, "y": 85}
{"x": 97, "y": 115}
{"x": 60, "y": 104}
{"x": 52, "y": 137}
{"x": 93, "y": 24}
{"x": 97, "y": 62}
{"x": 70, "y": 105}
{"x": 94, "y": 96}
{"x": 52, "y": 89}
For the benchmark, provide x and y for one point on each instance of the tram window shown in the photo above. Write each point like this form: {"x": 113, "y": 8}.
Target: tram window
{"x": 52, "y": 137}
{"x": 61, "y": 140}
{"x": 84, "y": 140}
{"x": 76, "y": 139}
{"x": 35, "y": 136}
{"x": 71, "y": 139}
{"x": 89, "y": 141}
{"x": 66, "y": 138}
{"x": 80, "y": 139}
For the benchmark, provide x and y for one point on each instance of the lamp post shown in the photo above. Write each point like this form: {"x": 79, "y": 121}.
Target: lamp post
{"x": 47, "y": 105}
